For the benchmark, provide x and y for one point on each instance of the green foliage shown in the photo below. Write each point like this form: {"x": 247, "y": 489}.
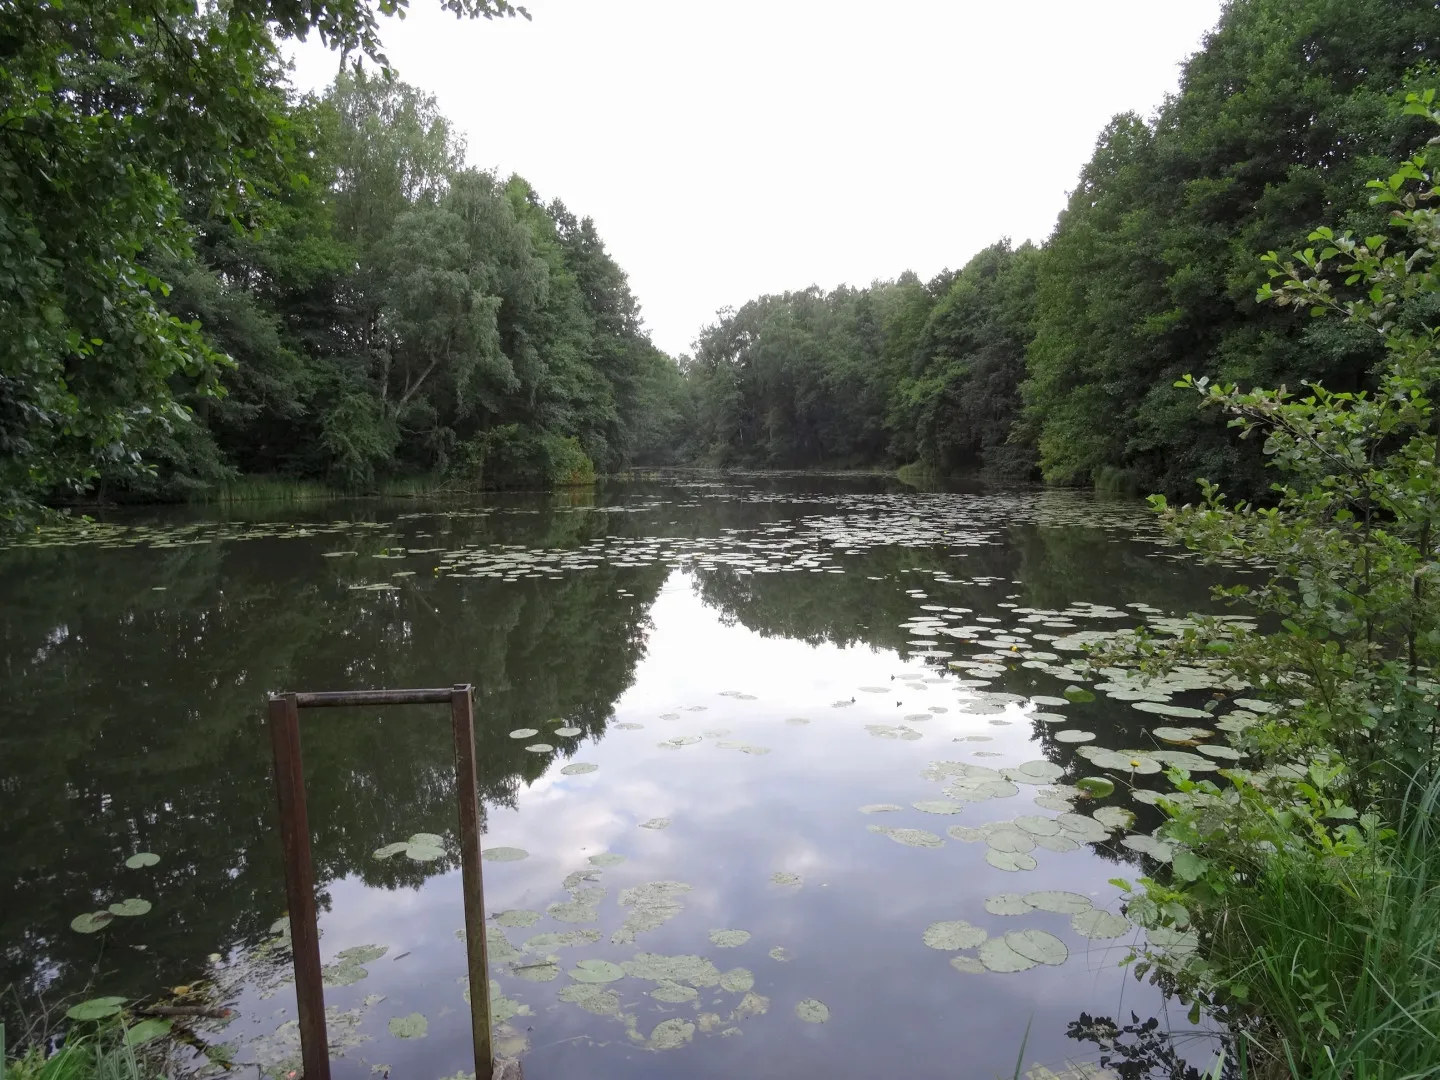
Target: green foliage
{"x": 1278, "y": 121}
{"x": 1320, "y": 922}
{"x": 114, "y": 118}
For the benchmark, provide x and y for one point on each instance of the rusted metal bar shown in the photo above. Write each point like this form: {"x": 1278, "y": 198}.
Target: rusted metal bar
{"x": 342, "y": 698}
{"x": 462, "y": 716}
{"x": 299, "y": 885}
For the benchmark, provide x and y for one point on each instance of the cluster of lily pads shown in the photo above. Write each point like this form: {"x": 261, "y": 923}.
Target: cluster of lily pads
{"x": 94, "y": 921}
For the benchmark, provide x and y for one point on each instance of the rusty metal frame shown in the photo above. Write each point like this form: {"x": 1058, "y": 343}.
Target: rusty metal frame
{"x": 284, "y": 723}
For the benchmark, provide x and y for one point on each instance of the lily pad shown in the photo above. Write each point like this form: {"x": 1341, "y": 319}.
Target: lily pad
{"x": 1040, "y": 946}
{"x": 997, "y": 955}
{"x": 954, "y": 934}
{"x": 737, "y": 980}
{"x": 1007, "y": 903}
{"x": 938, "y": 806}
{"x": 1157, "y": 849}
{"x": 1114, "y": 817}
{"x": 1009, "y": 861}
{"x": 596, "y": 971}
{"x": 608, "y": 858}
{"x": 1160, "y": 708}
{"x": 1074, "y": 735}
{"x": 524, "y": 733}
{"x": 90, "y": 923}
{"x": 1098, "y": 923}
{"x": 1037, "y": 825}
{"x": 967, "y": 964}
{"x": 812, "y": 1011}
{"x": 567, "y": 732}
{"x": 1098, "y": 787}
{"x": 540, "y": 748}
{"x": 673, "y": 1033}
{"x": 414, "y": 1026}
{"x": 729, "y": 939}
{"x": 1060, "y": 902}
{"x": 504, "y": 854}
{"x": 679, "y": 741}
{"x": 579, "y": 768}
{"x": 1008, "y": 839}
{"x": 787, "y": 880}
{"x": 1078, "y": 695}
{"x": 130, "y": 907}
{"x": 909, "y": 837}
{"x": 673, "y": 993}
{"x": 517, "y": 917}
{"x": 142, "y": 859}
{"x": 880, "y": 808}
{"x": 1223, "y": 753}
{"x": 547, "y": 970}
{"x": 656, "y": 823}
{"x": 591, "y": 997}
{"x": 95, "y": 1009}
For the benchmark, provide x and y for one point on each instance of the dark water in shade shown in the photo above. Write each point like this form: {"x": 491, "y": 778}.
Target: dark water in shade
{"x": 134, "y": 679}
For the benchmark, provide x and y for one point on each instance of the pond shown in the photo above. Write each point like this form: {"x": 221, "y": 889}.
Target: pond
{"x": 776, "y": 771}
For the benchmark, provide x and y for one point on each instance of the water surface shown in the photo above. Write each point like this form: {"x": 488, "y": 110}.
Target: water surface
{"x": 752, "y": 661}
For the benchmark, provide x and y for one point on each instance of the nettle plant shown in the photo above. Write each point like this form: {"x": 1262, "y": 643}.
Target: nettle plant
{"x": 1350, "y": 538}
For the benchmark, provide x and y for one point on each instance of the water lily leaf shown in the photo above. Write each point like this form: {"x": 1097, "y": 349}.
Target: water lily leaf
{"x": 1039, "y": 945}
{"x": 596, "y": 971}
{"x": 1084, "y": 827}
{"x": 1114, "y": 817}
{"x": 737, "y": 980}
{"x": 1223, "y": 753}
{"x": 954, "y": 934}
{"x": 1037, "y": 825}
{"x": 1052, "y": 702}
{"x": 361, "y": 954}
{"x": 679, "y": 741}
{"x": 729, "y": 939}
{"x": 1098, "y": 787}
{"x": 880, "y": 808}
{"x": 390, "y": 849}
{"x": 909, "y": 837}
{"x": 414, "y": 1026}
{"x": 142, "y": 859}
{"x": 593, "y": 998}
{"x": 674, "y": 994}
{"x": 1005, "y": 838}
{"x": 524, "y": 733}
{"x": 779, "y": 952}
{"x": 1158, "y": 850}
{"x": 812, "y": 1011}
{"x": 1062, "y": 903}
{"x": 938, "y": 806}
{"x": 656, "y": 823}
{"x": 130, "y": 907}
{"x": 797, "y": 721}
{"x": 1007, "y": 903}
{"x": 694, "y": 971}
{"x": 607, "y": 859}
{"x": 1009, "y": 861}
{"x": 1074, "y": 735}
{"x": 997, "y": 955}
{"x": 1098, "y": 923}
{"x": 88, "y": 924}
{"x": 787, "y": 880}
{"x": 547, "y": 970}
{"x": 1063, "y": 842}
{"x": 1078, "y": 695}
{"x": 967, "y": 964}
{"x": 421, "y": 853}
{"x": 1160, "y": 708}
{"x": 579, "y": 768}
{"x": 147, "y": 1031}
{"x": 567, "y": 732}
{"x": 630, "y": 727}
{"x": 540, "y": 748}
{"x": 517, "y": 917}
{"x": 95, "y": 1009}
{"x": 504, "y": 854}
{"x": 546, "y": 942}
{"x": 673, "y": 1033}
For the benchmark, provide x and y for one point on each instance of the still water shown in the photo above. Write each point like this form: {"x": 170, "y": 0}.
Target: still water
{"x": 816, "y": 788}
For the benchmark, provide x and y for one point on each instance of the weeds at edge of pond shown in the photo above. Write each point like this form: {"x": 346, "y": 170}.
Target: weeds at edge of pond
{"x": 98, "y": 1055}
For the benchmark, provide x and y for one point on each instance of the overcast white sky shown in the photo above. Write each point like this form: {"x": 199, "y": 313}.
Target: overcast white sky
{"x": 731, "y": 149}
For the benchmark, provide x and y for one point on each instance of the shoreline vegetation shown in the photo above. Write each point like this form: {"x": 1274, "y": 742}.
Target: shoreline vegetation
{"x": 348, "y": 304}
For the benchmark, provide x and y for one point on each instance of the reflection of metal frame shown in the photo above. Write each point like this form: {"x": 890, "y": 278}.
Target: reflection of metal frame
{"x": 300, "y": 873}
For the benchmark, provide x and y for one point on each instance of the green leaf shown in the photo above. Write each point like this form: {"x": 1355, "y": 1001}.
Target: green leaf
{"x": 90, "y": 923}
{"x": 147, "y": 1030}
{"x": 95, "y": 1009}
{"x": 131, "y": 907}
{"x": 142, "y": 859}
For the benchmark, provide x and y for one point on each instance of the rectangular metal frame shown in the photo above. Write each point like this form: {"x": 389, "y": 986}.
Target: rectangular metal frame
{"x": 284, "y": 722}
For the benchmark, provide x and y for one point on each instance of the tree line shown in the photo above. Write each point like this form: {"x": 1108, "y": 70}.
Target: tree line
{"x": 204, "y": 274}
{"x": 1058, "y": 362}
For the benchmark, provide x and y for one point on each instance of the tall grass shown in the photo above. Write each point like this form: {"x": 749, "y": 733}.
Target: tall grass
{"x": 104, "y": 1056}
{"x": 1341, "y": 958}
{"x": 276, "y": 489}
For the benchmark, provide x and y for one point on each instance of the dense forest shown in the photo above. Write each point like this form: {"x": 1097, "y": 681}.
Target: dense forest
{"x": 207, "y": 276}
{"x": 1058, "y": 363}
